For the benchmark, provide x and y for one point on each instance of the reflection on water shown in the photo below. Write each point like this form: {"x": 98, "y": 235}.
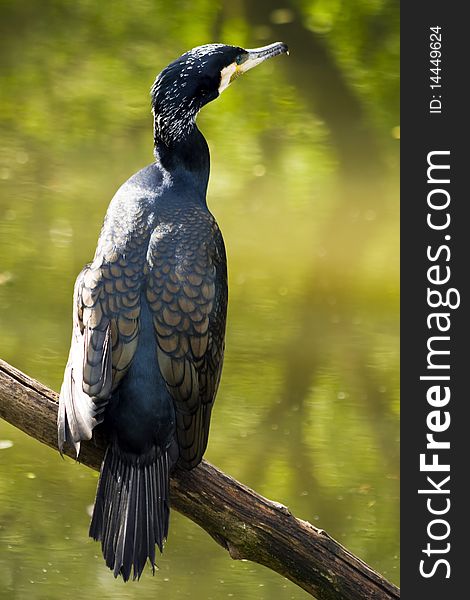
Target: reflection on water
{"x": 307, "y": 411}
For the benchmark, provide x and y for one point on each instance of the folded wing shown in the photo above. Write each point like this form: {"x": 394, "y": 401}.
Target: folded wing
{"x": 187, "y": 295}
{"x": 106, "y": 313}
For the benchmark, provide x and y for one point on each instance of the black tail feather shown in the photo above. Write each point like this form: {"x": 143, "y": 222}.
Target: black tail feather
{"x": 131, "y": 511}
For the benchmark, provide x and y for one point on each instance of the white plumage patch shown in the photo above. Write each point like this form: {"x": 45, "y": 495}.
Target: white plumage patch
{"x": 226, "y": 76}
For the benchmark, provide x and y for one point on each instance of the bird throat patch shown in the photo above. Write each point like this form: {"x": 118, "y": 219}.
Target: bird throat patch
{"x": 227, "y": 75}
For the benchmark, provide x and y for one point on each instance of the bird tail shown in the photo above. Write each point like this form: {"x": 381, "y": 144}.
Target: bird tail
{"x": 131, "y": 512}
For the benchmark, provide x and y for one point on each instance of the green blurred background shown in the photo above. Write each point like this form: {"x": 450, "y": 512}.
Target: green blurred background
{"x": 304, "y": 186}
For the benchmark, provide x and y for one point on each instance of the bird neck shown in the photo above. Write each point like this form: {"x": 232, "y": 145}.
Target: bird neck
{"x": 188, "y": 155}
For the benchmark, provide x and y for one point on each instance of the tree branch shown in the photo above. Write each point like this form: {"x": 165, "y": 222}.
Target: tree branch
{"x": 243, "y": 522}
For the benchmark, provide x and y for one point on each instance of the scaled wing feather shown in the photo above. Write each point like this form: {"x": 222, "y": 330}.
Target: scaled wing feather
{"x": 104, "y": 339}
{"x": 187, "y": 295}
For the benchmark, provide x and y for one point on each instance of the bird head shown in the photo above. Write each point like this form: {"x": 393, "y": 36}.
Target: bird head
{"x": 197, "y": 77}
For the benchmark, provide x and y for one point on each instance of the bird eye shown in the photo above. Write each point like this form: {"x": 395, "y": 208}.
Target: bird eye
{"x": 239, "y": 59}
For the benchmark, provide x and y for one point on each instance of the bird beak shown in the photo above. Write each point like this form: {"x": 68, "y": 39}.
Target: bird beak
{"x": 251, "y": 58}
{"x": 256, "y": 56}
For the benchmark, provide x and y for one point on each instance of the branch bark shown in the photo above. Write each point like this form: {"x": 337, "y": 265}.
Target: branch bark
{"x": 247, "y": 525}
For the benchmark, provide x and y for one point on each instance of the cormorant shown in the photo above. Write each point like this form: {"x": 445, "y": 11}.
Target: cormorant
{"x": 149, "y": 317}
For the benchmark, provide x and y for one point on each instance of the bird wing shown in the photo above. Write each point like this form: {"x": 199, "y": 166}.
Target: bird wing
{"x": 187, "y": 295}
{"x": 104, "y": 339}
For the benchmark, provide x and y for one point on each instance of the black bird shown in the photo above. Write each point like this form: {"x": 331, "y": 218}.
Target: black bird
{"x": 149, "y": 317}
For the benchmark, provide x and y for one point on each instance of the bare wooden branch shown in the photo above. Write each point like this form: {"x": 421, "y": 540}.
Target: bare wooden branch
{"x": 240, "y": 520}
